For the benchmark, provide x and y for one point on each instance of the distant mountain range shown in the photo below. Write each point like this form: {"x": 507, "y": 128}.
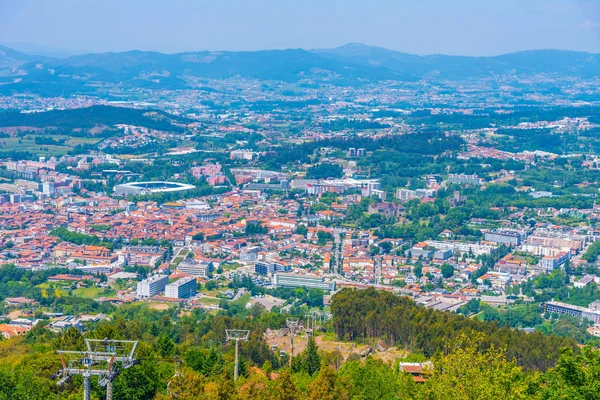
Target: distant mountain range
{"x": 351, "y": 64}
{"x": 568, "y": 63}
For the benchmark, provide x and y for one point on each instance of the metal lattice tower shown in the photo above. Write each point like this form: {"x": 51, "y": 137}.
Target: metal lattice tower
{"x": 295, "y": 326}
{"x": 99, "y": 360}
{"x": 237, "y": 335}
{"x": 316, "y": 315}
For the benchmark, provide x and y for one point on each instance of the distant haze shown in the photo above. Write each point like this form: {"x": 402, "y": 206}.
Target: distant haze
{"x": 465, "y": 27}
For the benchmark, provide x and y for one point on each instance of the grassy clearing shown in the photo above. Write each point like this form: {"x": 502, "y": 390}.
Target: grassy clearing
{"x": 93, "y": 292}
{"x": 209, "y": 301}
{"x": 27, "y": 143}
{"x": 159, "y": 306}
{"x": 243, "y": 300}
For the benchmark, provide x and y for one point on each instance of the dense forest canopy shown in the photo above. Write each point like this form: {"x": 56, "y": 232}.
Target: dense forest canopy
{"x": 368, "y": 315}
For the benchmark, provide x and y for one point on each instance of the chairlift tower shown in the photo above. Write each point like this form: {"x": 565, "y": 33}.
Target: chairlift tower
{"x": 99, "y": 360}
{"x": 237, "y": 335}
{"x": 316, "y": 315}
{"x": 295, "y": 326}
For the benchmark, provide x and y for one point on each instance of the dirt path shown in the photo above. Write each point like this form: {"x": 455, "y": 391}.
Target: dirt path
{"x": 345, "y": 349}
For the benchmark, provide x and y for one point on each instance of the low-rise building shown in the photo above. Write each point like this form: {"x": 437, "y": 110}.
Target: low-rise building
{"x": 198, "y": 269}
{"x": 508, "y": 238}
{"x": 305, "y": 281}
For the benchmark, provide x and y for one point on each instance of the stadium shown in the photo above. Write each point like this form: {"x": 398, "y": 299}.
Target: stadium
{"x": 137, "y": 188}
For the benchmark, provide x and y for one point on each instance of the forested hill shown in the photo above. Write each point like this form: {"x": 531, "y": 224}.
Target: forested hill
{"x": 93, "y": 116}
{"x": 569, "y": 63}
{"x": 353, "y": 64}
{"x": 367, "y": 315}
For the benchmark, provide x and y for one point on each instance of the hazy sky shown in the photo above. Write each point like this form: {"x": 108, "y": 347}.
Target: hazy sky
{"x": 469, "y": 27}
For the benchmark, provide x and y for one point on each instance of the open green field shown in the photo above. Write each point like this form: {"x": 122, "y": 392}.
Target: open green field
{"x": 180, "y": 257}
{"x": 176, "y": 261}
{"x": 94, "y": 293}
{"x": 59, "y": 288}
{"x": 27, "y": 143}
{"x": 209, "y": 301}
{"x": 63, "y": 289}
{"x": 230, "y": 267}
{"x": 243, "y": 300}
{"x": 212, "y": 293}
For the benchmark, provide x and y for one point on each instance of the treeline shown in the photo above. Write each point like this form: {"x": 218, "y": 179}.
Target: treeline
{"x": 352, "y": 124}
{"x": 187, "y": 357}
{"x": 503, "y": 195}
{"x": 517, "y": 140}
{"x": 80, "y": 238}
{"x": 369, "y": 315}
{"x": 592, "y": 252}
{"x": 91, "y": 116}
{"x": 530, "y": 114}
{"x": 19, "y": 282}
{"x": 255, "y": 229}
{"x": 43, "y": 140}
{"x": 423, "y": 143}
{"x": 324, "y": 171}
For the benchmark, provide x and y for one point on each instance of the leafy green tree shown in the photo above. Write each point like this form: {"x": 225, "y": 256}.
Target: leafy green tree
{"x": 447, "y": 270}
{"x": 198, "y": 236}
{"x": 592, "y": 252}
{"x": 222, "y": 388}
{"x": 255, "y": 388}
{"x": 418, "y": 270}
{"x": 372, "y": 380}
{"x": 71, "y": 339}
{"x": 187, "y": 385}
{"x": 256, "y": 229}
{"x": 284, "y": 387}
{"x": 302, "y": 230}
{"x": 574, "y": 377}
{"x": 476, "y": 375}
{"x": 141, "y": 381}
{"x": 324, "y": 171}
{"x": 315, "y": 297}
{"x": 324, "y": 386}
{"x": 323, "y": 237}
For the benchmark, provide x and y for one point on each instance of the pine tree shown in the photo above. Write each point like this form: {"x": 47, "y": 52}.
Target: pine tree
{"x": 165, "y": 345}
{"x": 312, "y": 360}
